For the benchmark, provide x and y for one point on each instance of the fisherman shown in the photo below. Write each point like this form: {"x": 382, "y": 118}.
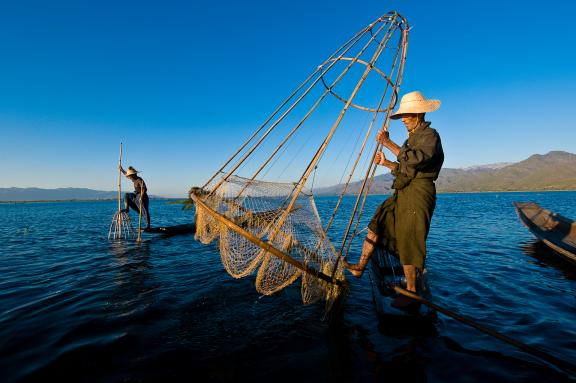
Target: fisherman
{"x": 132, "y": 200}
{"x": 402, "y": 222}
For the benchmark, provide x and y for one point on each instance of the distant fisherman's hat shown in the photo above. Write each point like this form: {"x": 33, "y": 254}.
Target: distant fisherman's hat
{"x": 131, "y": 171}
{"x": 415, "y": 102}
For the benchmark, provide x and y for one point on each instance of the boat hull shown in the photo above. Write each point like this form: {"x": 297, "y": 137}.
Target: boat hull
{"x": 556, "y": 231}
{"x": 168, "y": 231}
{"x": 385, "y": 273}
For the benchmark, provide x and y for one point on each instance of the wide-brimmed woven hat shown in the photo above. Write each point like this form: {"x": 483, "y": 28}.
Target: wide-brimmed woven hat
{"x": 131, "y": 171}
{"x": 415, "y": 102}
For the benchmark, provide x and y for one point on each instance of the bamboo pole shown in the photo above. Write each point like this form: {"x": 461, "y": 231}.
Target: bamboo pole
{"x": 121, "y": 225}
{"x": 340, "y": 51}
{"x": 321, "y": 98}
{"x": 304, "y": 178}
{"x": 120, "y": 191}
{"x": 140, "y": 213}
{"x": 366, "y": 186}
{"x": 310, "y": 87}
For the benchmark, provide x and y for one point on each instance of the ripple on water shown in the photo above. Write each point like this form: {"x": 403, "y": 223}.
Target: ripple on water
{"x": 75, "y": 305}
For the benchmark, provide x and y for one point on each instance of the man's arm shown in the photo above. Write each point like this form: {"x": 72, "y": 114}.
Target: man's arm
{"x": 420, "y": 155}
{"x": 384, "y": 138}
{"x": 380, "y": 159}
{"x": 122, "y": 169}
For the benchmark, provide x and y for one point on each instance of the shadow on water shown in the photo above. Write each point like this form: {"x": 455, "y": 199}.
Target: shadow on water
{"x": 415, "y": 358}
{"x": 405, "y": 361}
{"x": 543, "y": 255}
{"x": 535, "y": 370}
{"x": 412, "y": 325}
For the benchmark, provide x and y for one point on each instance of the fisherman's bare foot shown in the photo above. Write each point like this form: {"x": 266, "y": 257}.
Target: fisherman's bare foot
{"x": 356, "y": 273}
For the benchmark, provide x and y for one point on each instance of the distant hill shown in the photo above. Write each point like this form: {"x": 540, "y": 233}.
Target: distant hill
{"x": 381, "y": 185}
{"x": 61, "y": 194}
{"x": 552, "y": 171}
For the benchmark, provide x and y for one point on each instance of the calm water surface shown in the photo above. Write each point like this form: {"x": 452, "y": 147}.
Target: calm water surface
{"x": 77, "y": 307}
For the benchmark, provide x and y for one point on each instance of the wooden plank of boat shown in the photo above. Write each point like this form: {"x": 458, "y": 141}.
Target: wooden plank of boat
{"x": 556, "y": 231}
{"x": 385, "y": 273}
{"x": 187, "y": 228}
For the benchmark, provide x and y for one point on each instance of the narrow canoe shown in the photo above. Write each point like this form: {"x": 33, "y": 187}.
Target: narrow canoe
{"x": 168, "y": 231}
{"x": 556, "y": 231}
{"x": 385, "y": 273}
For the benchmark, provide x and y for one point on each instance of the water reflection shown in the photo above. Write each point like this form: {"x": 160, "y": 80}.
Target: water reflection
{"x": 544, "y": 256}
{"x": 131, "y": 276}
{"x": 93, "y": 310}
{"x": 405, "y": 361}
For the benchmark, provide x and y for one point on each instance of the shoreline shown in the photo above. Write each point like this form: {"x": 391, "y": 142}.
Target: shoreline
{"x": 81, "y": 200}
{"x": 467, "y": 192}
{"x": 181, "y": 201}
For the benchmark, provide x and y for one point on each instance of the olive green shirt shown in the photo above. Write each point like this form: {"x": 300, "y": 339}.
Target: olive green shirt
{"x": 421, "y": 155}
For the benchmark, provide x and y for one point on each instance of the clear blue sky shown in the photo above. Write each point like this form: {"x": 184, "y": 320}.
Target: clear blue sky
{"x": 182, "y": 83}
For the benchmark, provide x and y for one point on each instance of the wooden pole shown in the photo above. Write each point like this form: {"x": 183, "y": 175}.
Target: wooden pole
{"x": 120, "y": 223}
{"x": 140, "y": 213}
{"x": 320, "y": 151}
{"x": 341, "y": 51}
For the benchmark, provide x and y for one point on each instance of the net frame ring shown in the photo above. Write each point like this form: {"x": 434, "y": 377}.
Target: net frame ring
{"x": 367, "y": 109}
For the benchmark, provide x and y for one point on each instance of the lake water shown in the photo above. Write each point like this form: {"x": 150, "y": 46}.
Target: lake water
{"x": 77, "y": 307}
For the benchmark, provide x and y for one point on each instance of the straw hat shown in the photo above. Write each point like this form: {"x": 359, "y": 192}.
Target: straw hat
{"x": 131, "y": 171}
{"x": 415, "y": 102}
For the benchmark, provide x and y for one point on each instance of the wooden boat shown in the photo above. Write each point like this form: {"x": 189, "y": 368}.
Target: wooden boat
{"x": 168, "y": 231}
{"x": 556, "y": 231}
{"x": 385, "y": 273}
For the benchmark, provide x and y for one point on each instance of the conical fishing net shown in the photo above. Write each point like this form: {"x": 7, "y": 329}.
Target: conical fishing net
{"x": 259, "y": 208}
{"x": 324, "y": 132}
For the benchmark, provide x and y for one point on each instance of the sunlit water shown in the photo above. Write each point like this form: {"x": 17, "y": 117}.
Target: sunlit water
{"x": 77, "y": 307}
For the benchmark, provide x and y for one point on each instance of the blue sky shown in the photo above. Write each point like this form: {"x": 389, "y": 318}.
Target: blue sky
{"x": 182, "y": 83}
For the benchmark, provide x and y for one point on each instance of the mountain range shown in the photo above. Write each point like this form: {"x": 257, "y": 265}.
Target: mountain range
{"x": 552, "y": 171}
{"x": 555, "y": 170}
{"x": 60, "y": 194}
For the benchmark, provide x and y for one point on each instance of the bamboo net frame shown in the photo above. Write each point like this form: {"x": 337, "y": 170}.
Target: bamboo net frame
{"x": 388, "y": 33}
{"x": 121, "y": 225}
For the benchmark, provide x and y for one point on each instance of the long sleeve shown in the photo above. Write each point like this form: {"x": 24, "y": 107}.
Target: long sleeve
{"x": 421, "y": 155}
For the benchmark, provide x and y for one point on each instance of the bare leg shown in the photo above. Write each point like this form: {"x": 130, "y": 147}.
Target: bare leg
{"x": 129, "y": 202}
{"x": 403, "y": 302}
{"x": 367, "y": 250}
{"x": 146, "y": 207}
{"x": 410, "y": 274}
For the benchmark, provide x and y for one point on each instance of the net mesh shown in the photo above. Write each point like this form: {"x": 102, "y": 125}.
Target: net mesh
{"x": 260, "y": 208}
{"x": 324, "y": 132}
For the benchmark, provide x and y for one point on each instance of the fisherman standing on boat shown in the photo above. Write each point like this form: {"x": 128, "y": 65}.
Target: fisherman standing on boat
{"x": 132, "y": 200}
{"x": 402, "y": 222}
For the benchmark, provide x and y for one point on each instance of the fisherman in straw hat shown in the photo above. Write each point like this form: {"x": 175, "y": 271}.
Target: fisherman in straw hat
{"x": 400, "y": 225}
{"x": 132, "y": 200}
